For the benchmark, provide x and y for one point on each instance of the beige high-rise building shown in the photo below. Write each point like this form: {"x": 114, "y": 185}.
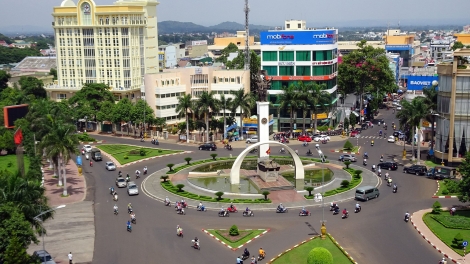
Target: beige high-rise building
{"x": 113, "y": 44}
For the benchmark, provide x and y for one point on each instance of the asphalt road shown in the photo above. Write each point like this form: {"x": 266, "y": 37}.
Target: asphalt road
{"x": 377, "y": 234}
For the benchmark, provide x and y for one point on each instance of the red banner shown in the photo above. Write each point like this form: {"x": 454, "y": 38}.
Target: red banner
{"x": 18, "y": 137}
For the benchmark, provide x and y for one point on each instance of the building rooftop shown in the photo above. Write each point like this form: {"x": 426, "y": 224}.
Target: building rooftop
{"x": 36, "y": 64}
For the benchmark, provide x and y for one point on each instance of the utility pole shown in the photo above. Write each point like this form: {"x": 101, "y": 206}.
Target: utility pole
{"x": 247, "y": 37}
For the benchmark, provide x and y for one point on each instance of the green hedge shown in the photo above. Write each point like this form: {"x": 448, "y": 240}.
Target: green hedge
{"x": 353, "y": 184}
{"x": 453, "y": 222}
{"x": 171, "y": 188}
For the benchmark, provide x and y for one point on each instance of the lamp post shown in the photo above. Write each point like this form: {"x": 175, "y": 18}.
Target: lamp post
{"x": 85, "y": 124}
{"x": 39, "y": 220}
{"x": 322, "y": 157}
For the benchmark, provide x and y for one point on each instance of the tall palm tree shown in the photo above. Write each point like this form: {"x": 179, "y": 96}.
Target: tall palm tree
{"x": 430, "y": 99}
{"x": 207, "y": 103}
{"x": 225, "y": 104}
{"x": 318, "y": 100}
{"x": 245, "y": 102}
{"x": 183, "y": 109}
{"x": 288, "y": 101}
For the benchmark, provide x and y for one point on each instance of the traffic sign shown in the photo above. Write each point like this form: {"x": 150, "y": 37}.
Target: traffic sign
{"x": 465, "y": 243}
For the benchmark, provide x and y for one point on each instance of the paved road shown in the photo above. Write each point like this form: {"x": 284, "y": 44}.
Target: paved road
{"x": 376, "y": 235}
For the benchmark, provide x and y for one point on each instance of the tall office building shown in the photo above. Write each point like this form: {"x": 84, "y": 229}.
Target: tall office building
{"x": 112, "y": 44}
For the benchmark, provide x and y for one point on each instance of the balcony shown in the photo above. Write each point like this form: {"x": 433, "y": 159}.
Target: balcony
{"x": 444, "y": 68}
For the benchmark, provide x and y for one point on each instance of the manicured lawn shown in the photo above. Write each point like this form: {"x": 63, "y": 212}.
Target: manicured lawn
{"x": 9, "y": 163}
{"x": 299, "y": 254}
{"x": 235, "y": 242}
{"x": 120, "y": 151}
{"x": 443, "y": 188}
{"x": 448, "y": 234}
{"x": 431, "y": 164}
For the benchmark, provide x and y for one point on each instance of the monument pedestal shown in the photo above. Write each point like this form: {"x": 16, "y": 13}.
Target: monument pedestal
{"x": 268, "y": 170}
{"x": 263, "y": 129}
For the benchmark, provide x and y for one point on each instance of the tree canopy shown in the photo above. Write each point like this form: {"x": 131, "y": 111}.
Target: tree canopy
{"x": 226, "y": 52}
{"x": 91, "y": 97}
{"x": 32, "y": 86}
{"x": 14, "y": 55}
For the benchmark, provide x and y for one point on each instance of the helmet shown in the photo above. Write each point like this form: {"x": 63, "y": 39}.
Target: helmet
{"x": 280, "y": 204}
{"x": 177, "y": 226}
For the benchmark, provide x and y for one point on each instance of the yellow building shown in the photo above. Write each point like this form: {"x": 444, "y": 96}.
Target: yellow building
{"x": 463, "y": 37}
{"x": 238, "y": 40}
{"x": 112, "y": 44}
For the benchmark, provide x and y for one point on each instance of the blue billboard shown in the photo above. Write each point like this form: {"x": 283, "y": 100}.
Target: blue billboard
{"x": 308, "y": 37}
{"x": 418, "y": 82}
{"x": 397, "y": 47}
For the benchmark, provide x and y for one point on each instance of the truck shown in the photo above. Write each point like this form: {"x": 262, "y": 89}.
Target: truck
{"x": 96, "y": 154}
{"x": 442, "y": 172}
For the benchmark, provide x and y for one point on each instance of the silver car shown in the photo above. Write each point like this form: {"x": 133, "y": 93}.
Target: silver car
{"x": 132, "y": 188}
{"x": 43, "y": 255}
{"x": 253, "y": 139}
{"x": 110, "y": 166}
{"x": 121, "y": 182}
{"x": 87, "y": 148}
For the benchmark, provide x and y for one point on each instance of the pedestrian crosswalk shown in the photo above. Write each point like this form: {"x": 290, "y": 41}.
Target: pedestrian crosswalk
{"x": 373, "y": 137}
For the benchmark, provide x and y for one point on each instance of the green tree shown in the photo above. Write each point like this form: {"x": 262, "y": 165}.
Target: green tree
{"x": 464, "y": 184}
{"x": 352, "y": 119}
{"x": 225, "y": 104}
{"x": 430, "y": 100}
{"x": 137, "y": 112}
{"x": 4, "y": 77}
{"x": 346, "y": 123}
{"x": 289, "y": 101}
{"x": 32, "y": 86}
{"x": 122, "y": 111}
{"x": 91, "y": 96}
{"x": 14, "y": 55}
{"x": 457, "y": 45}
{"x": 183, "y": 108}
{"x": 244, "y": 102}
{"x": 53, "y": 72}
{"x": 161, "y": 123}
{"x": 319, "y": 255}
{"x": 15, "y": 253}
{"x": 107, "y": 112}
{"x": 206, "y": 104}
{"x": 318, "y": 100}
{"x": 226, "y": 52}
{"x": 348, "y": 145}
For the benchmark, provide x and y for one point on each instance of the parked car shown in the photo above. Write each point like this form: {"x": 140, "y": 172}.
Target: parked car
{"x": 305, "y": 138}
{"x": 208, "y": 146}
{"x": 121, "y": 182}
{"x": 416, "y": 169}
{"x": 388, "y": 165}
{"x": 253, "y": 139}
{"x": 321, "y": 138}
{"x": 348, "y": 157}
{"x": 87, "y": 148}
{"x": 391, "y": 139}
{"x": 110, "y": 166}
{"x": 41, "y": 254}
{"x": 398, "y": 107}
{"x": 132, "y": 188}
{"x": 441, "y": 172}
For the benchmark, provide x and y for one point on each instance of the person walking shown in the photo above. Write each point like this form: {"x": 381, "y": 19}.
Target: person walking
{"x": 70, "y": 257}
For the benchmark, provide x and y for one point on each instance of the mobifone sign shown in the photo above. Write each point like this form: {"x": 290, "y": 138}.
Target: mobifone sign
{"x": 301, "y": 37}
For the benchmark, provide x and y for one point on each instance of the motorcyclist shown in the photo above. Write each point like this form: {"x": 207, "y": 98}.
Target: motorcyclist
{"x": 91, "y": 163}
{"x": 345, "y": 212}
{"x": 380, "y": 132}
{"x": 119, "y": 173}
{"x": 246, "y": 253}
{"x": 389, "y": 181}
{"x": 358, "y": 206}
{"x": 196, "y": 241}
{"x": 132, "y": 216}
{"x": 382, "y": 157}
{"x": 309, "y": 152}
{"x": 282, "y": 150}
{"x": 366, "y": 156}
{"x": 137, "y": 174}
{"x": 128, "y": 178}
{"x": 379, "y": 171}
{"x": 304, "y": 211}
{"x": 387, "y": 176}
{"x": 222, "y": 211}
{"x": 395, "y": 188}
{"x": 115, "y": 208}
{"x": 183, "y": 203}
{"x": 333, "y": 205}
{"x": 373, "y": 167}
{"x": 112, "y": 189}
{"x": 280, "y": 207}
{"x": 239, "y": 260}
{"x": 200, "y": 205}
{"x": 167, "y": 200}
{"x": 179, "y": 230}
{"x": 297, "y": 152}
{"x": 128, "y": 225}
{"x": 231, "y": 206}
{"x": 145, "y": 170}
{"x": 261, "y": 252}
{"x": 247, "y": 209}
{"x": 178, "y": 208}
{"x": 407, "y": 215}
{"x": 129, "y": 208}
{"x": 305, "y": 143}
{"x": 365, "y": 162}
{"x": 372, "y": 142}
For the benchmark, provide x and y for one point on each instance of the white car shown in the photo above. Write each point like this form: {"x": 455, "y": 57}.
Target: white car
{"x": 253, "y": 139}
{"x": 132, "y": 188}
{"x": 110, "y": 166}
{"x": 391, "y": 139}
{"x": 121, "y": 182}
{"x": 87, "y": 148}
{"x": 398, "y": 107}
{"x": 321, "y": 138}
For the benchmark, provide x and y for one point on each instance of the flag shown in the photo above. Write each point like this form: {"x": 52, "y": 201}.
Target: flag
{"x": 268, "y": 151}
{"x": 18, "y": 136}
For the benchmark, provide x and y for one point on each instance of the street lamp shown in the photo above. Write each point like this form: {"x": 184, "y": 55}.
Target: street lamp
{"x": 323, "y": 159}
{"x": 39, "y": 220}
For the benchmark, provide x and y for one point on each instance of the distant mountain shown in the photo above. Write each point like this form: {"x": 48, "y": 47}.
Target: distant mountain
{"x": 168, "y": 27}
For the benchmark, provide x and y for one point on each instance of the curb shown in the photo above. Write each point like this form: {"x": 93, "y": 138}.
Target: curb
{"x": 247, "y": 242}
{"x": 437, "y": 189}
{"x": 94, "y": 142}
{"x": 430, "y": 243}
{"x": 444, "y": 196}
{"x": 135, "y": 162}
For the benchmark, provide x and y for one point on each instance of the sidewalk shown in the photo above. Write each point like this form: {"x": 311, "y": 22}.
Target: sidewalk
{"x": 151, "y": 186}
{"x": 73, "y": 227}
{"x": 433, "y": 240}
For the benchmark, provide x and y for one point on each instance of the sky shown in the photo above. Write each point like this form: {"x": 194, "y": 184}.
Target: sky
{"x": 37, "y": 13}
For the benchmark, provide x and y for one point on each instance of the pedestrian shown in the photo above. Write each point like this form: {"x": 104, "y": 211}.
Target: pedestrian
{"x": 70, "y": 257}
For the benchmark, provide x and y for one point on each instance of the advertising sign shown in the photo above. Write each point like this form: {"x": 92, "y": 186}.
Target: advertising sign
{"x": 198, "y": 42}
{"x": 318, "y": 63}
{"x": 298, "y": 37}
{"x": 417, "y": 82}
{"x": 303, "y": 78}
{"x": 397, "y": 47}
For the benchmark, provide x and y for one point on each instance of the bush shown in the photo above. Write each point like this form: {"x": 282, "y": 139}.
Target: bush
{"x": 188, "y": 159}
{"x": 9, "y": 164}
{"x": 357, "y": 174}
{"x": 436, "y": 207}
{"x": 164, "y": 178}
{"x": 452, "y": 186}
{"x": 265, "y": 193}
{"x": 126, "y": 157}
{"x": 234, "y": 231}
{"x": 445, "y": 192}
{"x": 170, "y": 166}
{"x": 344, "y": 183}
{"x": 309, "y": 190}
{"x": 85, "y": 138}
{"x": 160, "y": 151}
{"x": 213, "y": 155}
{"x": 319, "y": 255}
{"x": 457, "y": 241}
{"x": 219, "y": 195}
{"x": 142, "y": 152}
{"x": 348, "y": 145}
{"x": 180, "y": 187}
{"x": 347, "y": 163}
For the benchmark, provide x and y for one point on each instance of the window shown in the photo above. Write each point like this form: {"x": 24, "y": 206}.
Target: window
{"x": 272, "y": 70}
{"x": 286, "y": 70}
{"x": 287, "y": 25}
{"x": 321, "y": 55}
{"x": 61, "y": 96}
{"x": 269, "y": 55}
{"x": 303, "y": 70}
{"x": 322, "y": 70}
{"x": 303, "y": 56}
{"x": 286, "y": 55}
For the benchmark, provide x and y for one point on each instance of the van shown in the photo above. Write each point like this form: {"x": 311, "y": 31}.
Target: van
{"x": 367, "y": 192}
{"x": 442, "y": 172}
{"x": 96, "y": 154}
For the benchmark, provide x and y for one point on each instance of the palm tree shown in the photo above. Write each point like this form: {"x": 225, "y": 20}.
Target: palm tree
{"x": 225, "y": 104}
{"x": 412, "y": 114}
{"x": 207, "y": 103}
{"x": 288, "y": 101}
{"x": 245, "y": 102}
{"x": 430, "y": 99}
{"x": 183, "y": 107}
{"x": 318, "y": 100}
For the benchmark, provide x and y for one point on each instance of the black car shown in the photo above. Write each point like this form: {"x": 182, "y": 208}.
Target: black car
{"x": 416, "y": 169}
{"x": 388, "y": 165}
{"x": 208, "y": 146}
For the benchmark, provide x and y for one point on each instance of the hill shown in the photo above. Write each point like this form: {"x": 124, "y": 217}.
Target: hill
{"x": 168, "y": 27}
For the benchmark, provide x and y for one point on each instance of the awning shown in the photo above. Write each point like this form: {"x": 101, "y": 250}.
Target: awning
{"x": 320, "y": 116}
{"x": 107, "y": 123}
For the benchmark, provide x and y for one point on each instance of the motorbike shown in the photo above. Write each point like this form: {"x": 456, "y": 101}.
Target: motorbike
{"x": 167, "y": 203}
{"x": 134, "y": 221}
{"x": 224, "y": 214}
{"x": 282, "y": 151}
{"x": 261, "y": 257}
{"x": 180, "y": 234}
{"x": 116, "y": 211}
{"x": 232, "y": 209}
{"x": 395, "y": 190}
{"x": 129, "y": 228}
{"x": 115, "y": 197}
{"x": 129, "y": 210}
{"x": 379, "y": 174}
{"x": 281, "y": 210}
{"x": 128, "y": 179}
{"x": 407, "y": 218}
{"x": 373, "y": 169}
{"x": 229, "y": 147}
{"x": 254, "y": 150}
{"x": 91, "y": 164}
{"x": 201, "y": 208}
{"x": 309, "y": 154}
{"x": 249, "y": 213}
{"x": 305, "y": 144}
{"x": 336, "y": 211}
{"x": 365, "y": 156}
{"x": 195, "y": 244}
{"x": 346, "y": 215}
{"x": 306, "y": 213}
{"x": 357, "y": 210}
{"x": 83, "y": 152}
{"x": 245, "y": 257}
{"x": 181, "y": 211}
{"x": 381, "y": 159}
{"x": 364, "y": 163}
{"x": 145, "y": 172}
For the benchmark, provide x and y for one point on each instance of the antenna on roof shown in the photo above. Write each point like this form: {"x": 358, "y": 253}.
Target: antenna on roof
{"x": 247, "y": 37}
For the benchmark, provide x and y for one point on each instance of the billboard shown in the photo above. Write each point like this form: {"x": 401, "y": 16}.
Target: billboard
{"x": 198, "y": 42}
{"x": 417, "y": 82}
{"x": 14, "y": 112}
{"x": 308, "y": 37}
{"x": 397, "y": 47}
